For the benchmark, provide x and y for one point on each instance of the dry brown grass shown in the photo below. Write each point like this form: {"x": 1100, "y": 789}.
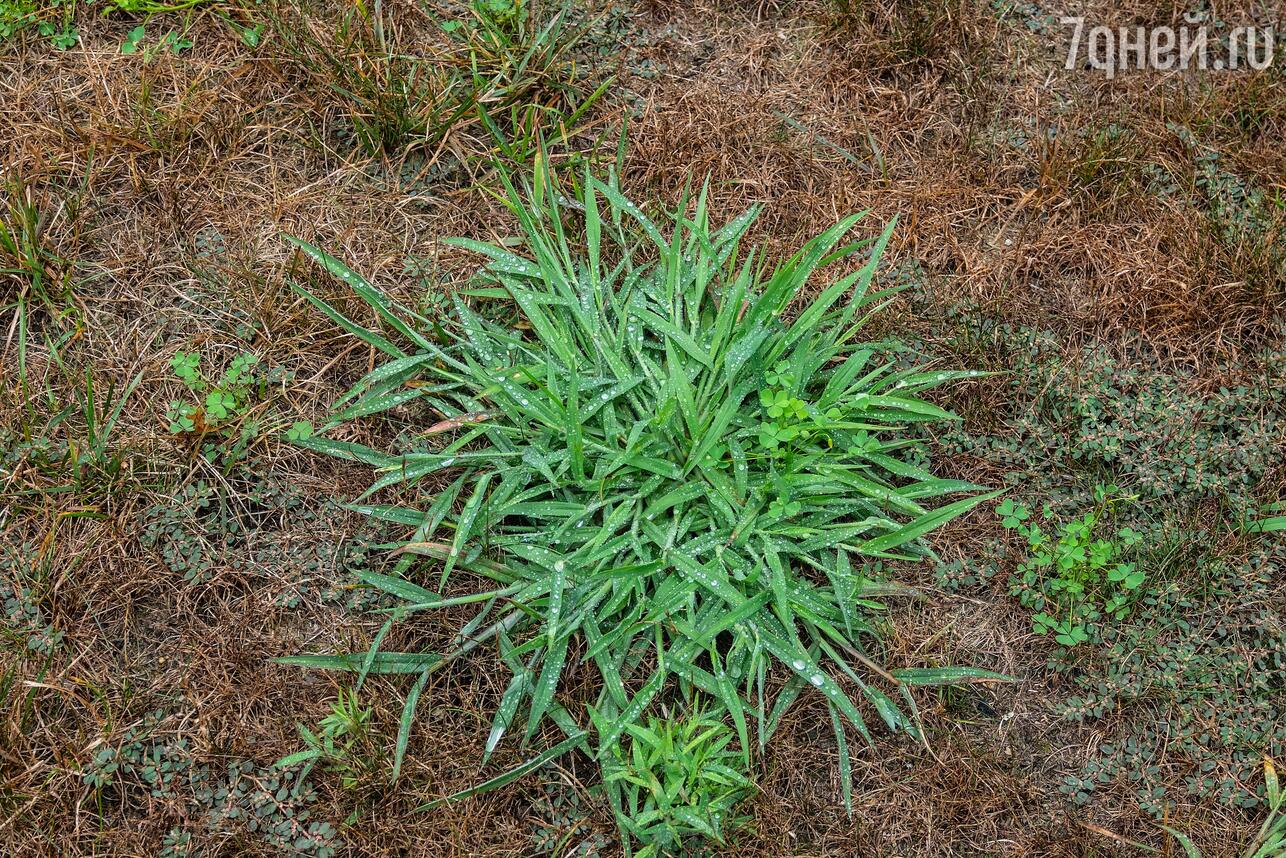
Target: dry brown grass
{"x": 946, "y": 111}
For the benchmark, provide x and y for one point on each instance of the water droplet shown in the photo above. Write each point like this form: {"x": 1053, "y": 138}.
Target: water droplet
{"x": 816, "y": 679}
{"x": 799, "y": 664}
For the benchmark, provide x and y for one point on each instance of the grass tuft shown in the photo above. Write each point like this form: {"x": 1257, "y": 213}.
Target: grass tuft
{"x": 653, "y": 470}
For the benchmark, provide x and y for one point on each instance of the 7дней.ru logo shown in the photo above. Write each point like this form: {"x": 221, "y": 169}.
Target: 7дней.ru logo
{"x": 1166, "y": 48}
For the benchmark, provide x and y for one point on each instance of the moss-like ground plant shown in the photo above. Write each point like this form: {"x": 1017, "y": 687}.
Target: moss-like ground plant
{"x": 611, "y": 500}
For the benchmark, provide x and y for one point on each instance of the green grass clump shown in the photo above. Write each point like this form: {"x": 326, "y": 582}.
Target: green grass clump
{"x": 679, "y": 780}
{"x": 650, "y": 470}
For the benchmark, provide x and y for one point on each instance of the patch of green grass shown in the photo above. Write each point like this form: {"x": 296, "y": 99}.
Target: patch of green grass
{"x": 30, "y": 259}
{"x": 71, "y": 447}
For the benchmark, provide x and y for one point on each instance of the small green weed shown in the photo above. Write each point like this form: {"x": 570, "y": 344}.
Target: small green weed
{"x": 679, "y": 781}
{"x": 222, "y": 399}
{"x": 1191, "y": 681}
{"x": 230, "y": 799}
{"x": 176, "y": 844}
{"x": 273, "y": 805}
{"x": 173, "y": 41}
{"x": 243, "y": 524}
{"x": 138, "y": 759}
{"x": 790, "y": 418}
{"x": 227, "y": 408}
{"x": 341, "y": 744}
{"x": 562, "y": 823}
{"x": 1075, "y": 578}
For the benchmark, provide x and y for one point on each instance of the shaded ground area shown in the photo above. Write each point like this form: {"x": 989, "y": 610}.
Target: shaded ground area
{"x": 1111, "y": 248}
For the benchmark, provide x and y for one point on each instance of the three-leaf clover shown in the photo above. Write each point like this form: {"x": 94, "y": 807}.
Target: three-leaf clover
{"x": 239, "y": 370}
{"x": 780, "y": 375}
{"x": 180, "y": 417}
{"x": 1012, "y": 514}
{"x": 220, "y": 404}
{"x": 780, "y": 403}
{"x": 186, "y": 366}
{"x": 300, "y": 431}
{"x": 784, "y": 507}
{"x": 1128, "y": 577}
{"x": 1072, "y": 635}
{"x": 771, "y": 435}
{"x": 130, "y": 45}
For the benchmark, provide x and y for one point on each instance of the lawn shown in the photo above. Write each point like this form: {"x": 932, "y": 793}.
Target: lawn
{"x": 740, "y": 427}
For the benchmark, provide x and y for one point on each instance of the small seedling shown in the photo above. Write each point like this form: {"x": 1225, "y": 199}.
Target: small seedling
{"x": 173, "y": 41}
{"x": 1074, "y": 579}
{"x": 220, "y": 400}
{"x": 132, "y": 40}
{"x": 340, "y": 742}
